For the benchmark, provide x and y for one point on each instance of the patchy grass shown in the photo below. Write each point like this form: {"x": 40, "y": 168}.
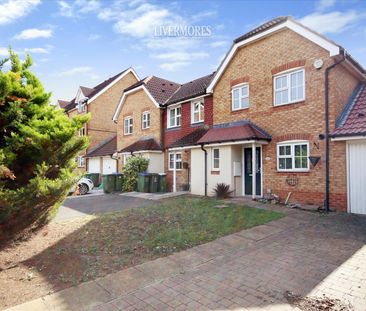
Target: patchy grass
{"x": 68, "y": 253}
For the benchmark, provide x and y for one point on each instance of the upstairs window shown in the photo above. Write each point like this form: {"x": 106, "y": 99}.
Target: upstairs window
{"x": 128, "y": 126}
{"x": 174, "y": 116}
{"x": 293, "y": 156}
{"x": 289, "y": 87}
{"x": 198, "y": 112}
{"x": 81, "y": 106}
{"x": 240, "y": 97}
{"x": 146, "y": 120}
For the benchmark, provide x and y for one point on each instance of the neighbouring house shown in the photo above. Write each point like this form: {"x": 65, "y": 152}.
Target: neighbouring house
{"x": 279, "y": 96}
{"x": 100, "y": 101}
{"x": 187, "y": 117}
{"x": 139, "y": 118}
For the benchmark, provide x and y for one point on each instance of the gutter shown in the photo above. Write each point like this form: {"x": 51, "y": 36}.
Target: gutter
{"x": 205, "y": 151}
{"x": 327, "y": 134}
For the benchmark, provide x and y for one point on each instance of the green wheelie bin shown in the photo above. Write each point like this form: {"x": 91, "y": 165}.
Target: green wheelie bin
{"x": 143, "y": 182}
{"x": 154, "y": 183}
{"x": 162, "y": 182}
{"x": 109, "y": 183}
{"x": 119, "y": 182}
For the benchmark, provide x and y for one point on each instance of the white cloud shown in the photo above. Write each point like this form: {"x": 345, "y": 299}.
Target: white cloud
{"x": 83, "y": 70}
{"x": 333, "y": 22}
{"x": 174, "y": 66}
{"x": 12, "y": 10}
{"x": 203, "y": 15}
{"x": 37, "y": 50}
{"x": 217, "y": 44}
{"x": 93, "y": 37}
{"x": 181, "y": 57}
{"x": 4, "y": 51}
{"x": 325, "y": 4}
{"x": 34, "y": 33}
{"x": 78, "y": 7}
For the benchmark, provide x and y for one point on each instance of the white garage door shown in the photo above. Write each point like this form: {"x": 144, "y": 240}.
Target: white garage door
{"x": 109, "y": 166}
{"x": 93, "y": 165}
{"x": 357, "y": 177}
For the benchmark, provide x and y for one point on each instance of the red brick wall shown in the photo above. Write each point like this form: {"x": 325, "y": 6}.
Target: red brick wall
{"x": 172, "y": 135}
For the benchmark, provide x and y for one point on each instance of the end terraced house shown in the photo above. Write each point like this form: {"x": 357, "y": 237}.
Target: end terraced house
{"x": 284, "y": 114}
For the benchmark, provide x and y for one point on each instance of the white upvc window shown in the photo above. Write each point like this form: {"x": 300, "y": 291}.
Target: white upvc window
{"x": 81, "y": 161}
{"x": 81, "y": 106}
{"x": 82, "y": 132}
{"x": 293, "y": 156}
{"x": 198, "y": 112}
{"x": 240, "y": 97}
{"x": 174, "y": 116}
{"x": 126, "y": 156}
{"x": 289, "y": 87}
{"x": 215, "y": 159}
{"x": 128, "y": 126}
{"x": 145, "y": 120}
{"x": 177, "y": 160}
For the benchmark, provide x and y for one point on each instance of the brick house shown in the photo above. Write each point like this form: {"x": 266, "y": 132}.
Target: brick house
{"x": 139, "y": 117}
{"x": 100, "y": 101}
{"x": 277, "y": 96}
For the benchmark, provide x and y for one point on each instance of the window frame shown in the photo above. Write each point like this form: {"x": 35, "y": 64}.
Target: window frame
{"x": 201, "y": 115}
{"x": 148, "y": 120}
{"x": 288, "y": 73}
{"x": 130, "y": 125}
{"x": 81, "y": 106}
{"x": 81, "y": 161}
{"x": 240, "y": 87}
{"x": 82, "y": 132}
{"x": 175, "y": 117}
{"x": 292, "y": 145}
{"x": 213, "y": 168}
{"x": 181, "y": 161}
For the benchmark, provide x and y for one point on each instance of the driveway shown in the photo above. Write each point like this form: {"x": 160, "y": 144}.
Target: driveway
{"x": 85, "y": 205}
{"x": 306, "y": 254}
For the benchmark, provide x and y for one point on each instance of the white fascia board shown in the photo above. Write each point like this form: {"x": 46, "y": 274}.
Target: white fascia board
{"x": 241, "y": 142}
{"x": 347, "y": 138}
{"x": 130, "y": 70}
{"x": 121, "y": 102}
{"x": 332, "y": 48}
{"x": 189, "y": 100}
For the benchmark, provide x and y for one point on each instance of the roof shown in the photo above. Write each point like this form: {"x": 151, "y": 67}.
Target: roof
{"x": 263, "y": 27}
{"x": 149, "y": 144}
{"x": 190, "y": 139}
{"x": 107, "y": 147}
{"x": 90, "y": 92}
{"x": 352, "y": 121}
{"x": 191, "y": 89}
{"x": 160, "y": 89}
{"x": 236, "y": 131}
{"x": 63, "y": 103}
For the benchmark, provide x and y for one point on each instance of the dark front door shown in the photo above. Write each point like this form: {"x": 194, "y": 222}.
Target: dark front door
{"x": 248, "y": 171}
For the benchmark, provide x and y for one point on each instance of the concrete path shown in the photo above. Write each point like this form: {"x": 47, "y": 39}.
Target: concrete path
{"x": 303, "y": 253}
{"x": 94, "y": 204}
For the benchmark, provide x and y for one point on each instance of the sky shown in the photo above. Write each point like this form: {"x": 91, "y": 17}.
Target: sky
{"x": 82, "y": 42}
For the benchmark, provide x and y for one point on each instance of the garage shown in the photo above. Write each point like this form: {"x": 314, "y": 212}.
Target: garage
{"x": 94, "y": 165}
{"x": 357, "y": 177}
{"x": 109, "y": 165}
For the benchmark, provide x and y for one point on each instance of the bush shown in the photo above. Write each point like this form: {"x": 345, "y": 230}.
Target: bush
{"x": 133, "y": 167}
{"x": 38, "y": 145}
{"x": 222, "y": 191}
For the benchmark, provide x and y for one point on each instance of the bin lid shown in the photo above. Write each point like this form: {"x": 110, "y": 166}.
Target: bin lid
{"x": 145, "y": 174}
{"x": 162, "y": 174}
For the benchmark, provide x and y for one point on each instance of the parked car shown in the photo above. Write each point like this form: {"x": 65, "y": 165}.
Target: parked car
{"x": 84, "y": 185}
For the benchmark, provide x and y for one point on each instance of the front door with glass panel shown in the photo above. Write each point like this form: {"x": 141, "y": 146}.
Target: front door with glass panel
{"x": 248, "y": 171}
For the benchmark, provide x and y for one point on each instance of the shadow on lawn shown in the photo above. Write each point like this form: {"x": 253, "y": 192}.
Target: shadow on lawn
{"x": 296, "y": 259}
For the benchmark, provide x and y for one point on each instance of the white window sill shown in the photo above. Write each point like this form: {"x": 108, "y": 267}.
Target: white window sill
{"x": 201, "y": 121}
{"x": 173, "y": 127}
{"x": 289, "y": 103}
{"x": 293, "y": 171}
{"x": 127, "y": 134}
{"x": 238, "y": 109}
{"x": 172, "y": 169}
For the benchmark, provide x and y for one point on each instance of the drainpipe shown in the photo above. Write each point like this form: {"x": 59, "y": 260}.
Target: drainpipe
{"x": 327, "y": 135}
{"x": 205, "y": 151}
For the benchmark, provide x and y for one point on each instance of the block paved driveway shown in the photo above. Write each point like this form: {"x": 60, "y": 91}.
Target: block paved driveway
{"x": 304, "y": 253}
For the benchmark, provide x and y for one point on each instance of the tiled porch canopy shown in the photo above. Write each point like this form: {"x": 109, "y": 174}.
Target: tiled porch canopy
{"x": 106, "y": 148}
{"x": 142, "y": 145}
{"x": 236, "y": 131}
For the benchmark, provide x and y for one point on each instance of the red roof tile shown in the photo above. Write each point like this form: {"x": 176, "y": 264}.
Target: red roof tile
{"x": 190, "y": 139}
{"x": 107, "y": 147}
{"x": 143, "y": 145}
{"x": 231, "y": 132}
{"x": 353, "y": 119}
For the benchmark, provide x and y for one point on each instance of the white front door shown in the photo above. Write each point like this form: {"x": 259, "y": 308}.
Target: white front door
{"x": 94, "y": 165}
{"x": 357, "y": 177}
{"x": 109, "y": 166}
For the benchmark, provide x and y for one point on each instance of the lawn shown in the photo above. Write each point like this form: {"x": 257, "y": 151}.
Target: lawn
{"x": 67, "y": 253}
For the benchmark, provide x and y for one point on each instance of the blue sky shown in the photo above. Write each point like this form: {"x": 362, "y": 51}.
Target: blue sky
{"x": 84, "y": 42}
